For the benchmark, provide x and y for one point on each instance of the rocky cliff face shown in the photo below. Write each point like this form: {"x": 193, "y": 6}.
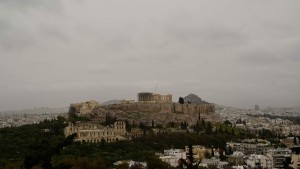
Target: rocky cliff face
{"x": 159, "y": 113}
{"x": 162, "y": 118}
{"x": 151, "y": 107}
{"x": 83, "y": 108}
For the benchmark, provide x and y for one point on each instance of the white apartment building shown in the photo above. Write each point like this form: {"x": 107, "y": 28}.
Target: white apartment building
{"x": 172, "y": 156}
{"x": 259, "y": 161}
{"x": 278, "y": 156}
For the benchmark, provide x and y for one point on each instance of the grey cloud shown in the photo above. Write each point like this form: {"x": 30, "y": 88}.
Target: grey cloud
{"x": 58, "y": 52}
{"x": 118, "y": 43}
{"x": 224, "y": 36}
{"x": 4, "y": 24}
{"x": 293, "y": 52}
{"x": 221, "y": 32}
{"x": 99, "y": 69}
{"x": 186, "y": 28}
{"x": 208, "y": 35}
{"x": 278, "y": 26}
{"x": 12, "y": 41}
{"x": 53, "y": 32}
{"x": 19, "y": 23}
{"x": 25, "y": 5}
{"x": 260, "y": 56}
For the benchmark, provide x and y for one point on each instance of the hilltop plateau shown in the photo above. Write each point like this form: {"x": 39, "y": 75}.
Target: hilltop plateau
{"x": 148, "y": 112}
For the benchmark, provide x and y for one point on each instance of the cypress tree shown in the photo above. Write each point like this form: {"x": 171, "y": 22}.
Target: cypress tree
{"x": 190, "y": 155}
{"x": 181, "y": 100}
{"x": 203, "y": 123}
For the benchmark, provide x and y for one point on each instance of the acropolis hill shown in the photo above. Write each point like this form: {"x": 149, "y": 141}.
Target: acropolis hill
{"x": 149, "y": 107}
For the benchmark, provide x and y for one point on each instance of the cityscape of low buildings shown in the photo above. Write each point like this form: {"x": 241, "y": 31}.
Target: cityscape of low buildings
{"x": 213, "y": 163}
{"x": 19, "y": 119}
{"x": 250, "y": 146}
{"x": 132, "y": 164}
{"x": 253, "y": 120}
{"x": 274, "y": 158}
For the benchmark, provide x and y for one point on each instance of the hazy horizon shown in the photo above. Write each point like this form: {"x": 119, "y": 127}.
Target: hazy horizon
{"x": 103, "y": 101}
{"x": 233, "y": 53}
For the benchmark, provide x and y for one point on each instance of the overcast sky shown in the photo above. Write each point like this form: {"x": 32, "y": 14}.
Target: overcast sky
{"x": 235, "y": 52}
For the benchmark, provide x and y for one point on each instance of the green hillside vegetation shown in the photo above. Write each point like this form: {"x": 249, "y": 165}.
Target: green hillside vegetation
{"x": 29, "y": 144}
{"x": 44, "y": 146}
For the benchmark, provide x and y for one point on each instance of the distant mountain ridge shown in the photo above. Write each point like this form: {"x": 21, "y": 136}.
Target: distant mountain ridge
{"x": 115, "y": 101}
{"x": 194, "y": 99}
{"x": 38, "y": 110}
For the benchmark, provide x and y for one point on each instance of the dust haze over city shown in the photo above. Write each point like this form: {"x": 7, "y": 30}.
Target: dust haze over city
{"x": 233, "y": 53}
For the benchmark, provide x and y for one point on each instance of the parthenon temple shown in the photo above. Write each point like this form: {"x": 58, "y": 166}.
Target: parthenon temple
{"x": 152, "y": 97}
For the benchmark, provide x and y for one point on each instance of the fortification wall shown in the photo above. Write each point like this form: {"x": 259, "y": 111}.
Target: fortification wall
{"x": 167, "y": 107}
{"x": 149, "y": 107}
{"x": 163, "y": 107}
{"x": 129, "y": 107}
{"x": 178, "y": 108}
